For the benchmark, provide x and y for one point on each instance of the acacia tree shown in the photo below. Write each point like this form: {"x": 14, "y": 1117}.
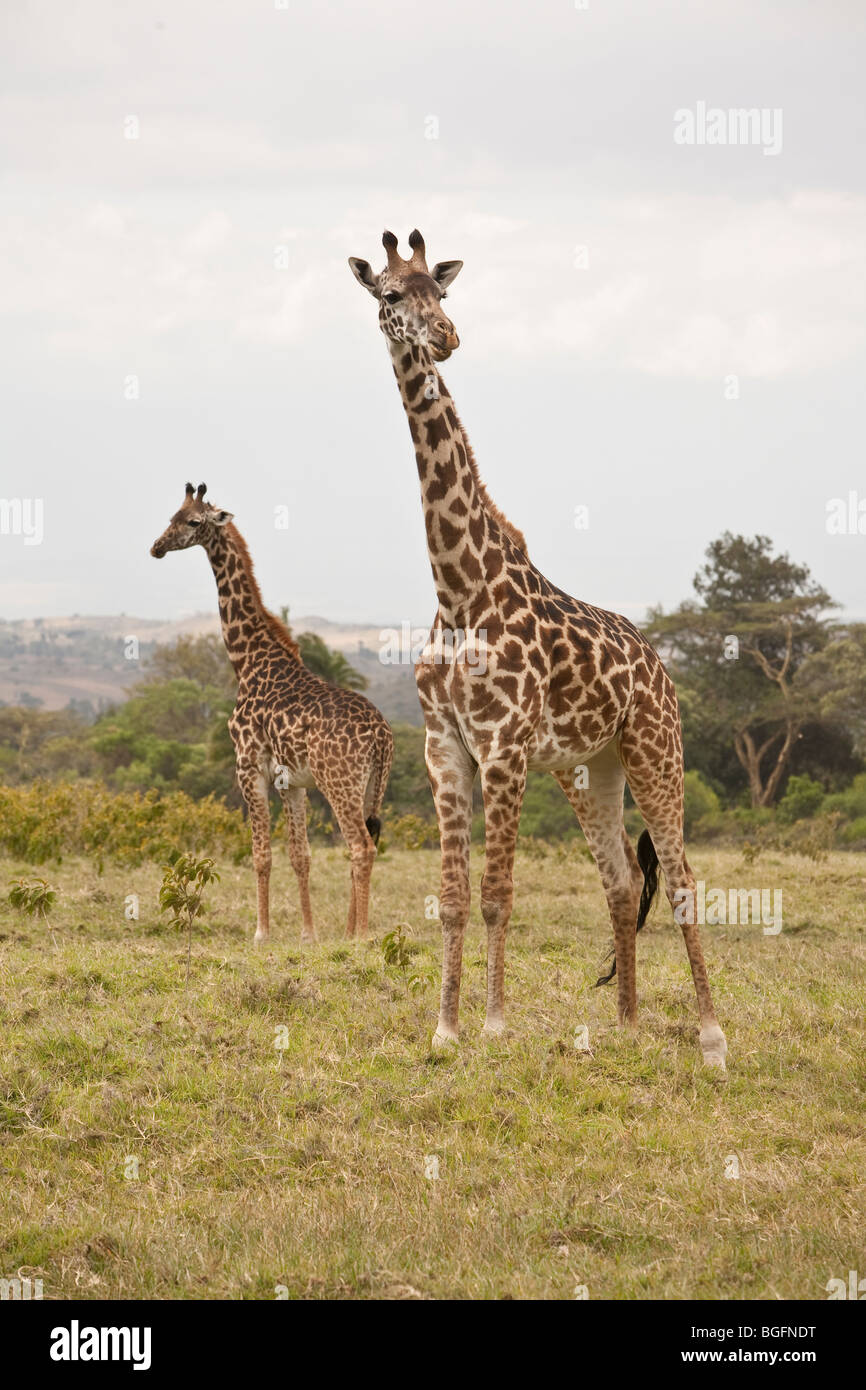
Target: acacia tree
{"x": 743, "y": 648}
{"x": 835, "y": 678}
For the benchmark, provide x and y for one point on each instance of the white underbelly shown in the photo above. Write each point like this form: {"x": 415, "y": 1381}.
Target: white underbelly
{"x": 550, "y": 752}
{"x": 283, "y": 775}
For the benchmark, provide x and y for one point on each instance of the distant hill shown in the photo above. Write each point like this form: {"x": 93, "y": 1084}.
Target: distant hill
{"x": 54, "y": 661}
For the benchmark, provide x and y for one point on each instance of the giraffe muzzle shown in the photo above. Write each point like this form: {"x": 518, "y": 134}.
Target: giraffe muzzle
{"x": 442, "y": 338}
{"x": 443, "y": 346}
{"x": 157, "y": 550}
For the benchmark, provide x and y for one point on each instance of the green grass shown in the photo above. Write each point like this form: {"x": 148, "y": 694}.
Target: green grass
{"x": 304, "y": 1167}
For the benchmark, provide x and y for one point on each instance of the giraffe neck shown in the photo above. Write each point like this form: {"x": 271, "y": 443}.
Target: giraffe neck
{"x": 465, "y": 542}
{"x": 249, "y": 630}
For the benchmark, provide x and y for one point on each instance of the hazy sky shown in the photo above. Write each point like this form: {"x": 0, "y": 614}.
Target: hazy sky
{"x": 614, "y": 282}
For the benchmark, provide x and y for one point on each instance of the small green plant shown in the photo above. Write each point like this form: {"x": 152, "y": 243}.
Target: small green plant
{"x": 750, "y": 851}
{"x": 763, "y": 837}
{"x": 397, "y": 956}
{"x": 33, "y": 896}
{"x": 182, "y": 891}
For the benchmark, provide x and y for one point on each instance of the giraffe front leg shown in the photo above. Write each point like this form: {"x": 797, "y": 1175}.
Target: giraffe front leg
{"x": 294, "y": 801}
{"x": 502, "y": 783}
{"x": 353, "y": 906}
{"x": 451, "y": 772}
{"x": 254, "y": 789}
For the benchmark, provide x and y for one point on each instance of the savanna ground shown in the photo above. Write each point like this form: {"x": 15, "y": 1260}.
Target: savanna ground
{"x": 156, "y": 1143}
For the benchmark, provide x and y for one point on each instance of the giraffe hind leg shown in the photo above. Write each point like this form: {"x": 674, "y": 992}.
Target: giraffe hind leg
{"x": 598, "y": 807}
{"x": 648, "y": 864}
{"x": 653, "y": 763}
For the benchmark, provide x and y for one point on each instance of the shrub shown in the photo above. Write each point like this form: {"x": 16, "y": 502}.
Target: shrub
{"x": 854, "y": 834}
{"x": 46, "y": 820}
{"x": 700, "y": 801}
{"x": 852, "y": 801}
{"x": 411, "y": 832}
{"x": 802, "y": 798}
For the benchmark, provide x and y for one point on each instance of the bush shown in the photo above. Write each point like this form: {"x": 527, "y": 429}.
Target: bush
{"x": 410, "y": 832}
{"x": 851, "y": 802}
{"x": 49, "y": 819}
{"x": 802, "y": 799}
{"x": 700, "y": 801}
{"x": 854, "y": 834}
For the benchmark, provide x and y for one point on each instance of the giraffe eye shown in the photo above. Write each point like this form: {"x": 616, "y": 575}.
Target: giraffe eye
{"x": 193, "y": 523}
{"x": 392, "y": 297}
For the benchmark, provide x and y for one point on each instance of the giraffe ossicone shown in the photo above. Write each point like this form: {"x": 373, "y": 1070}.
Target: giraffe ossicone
{"x": 564, "y": 684}
{"x": 291, "y": 730}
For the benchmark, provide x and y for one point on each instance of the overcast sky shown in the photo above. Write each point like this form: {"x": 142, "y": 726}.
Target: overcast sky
{"x": 615, "y": 282}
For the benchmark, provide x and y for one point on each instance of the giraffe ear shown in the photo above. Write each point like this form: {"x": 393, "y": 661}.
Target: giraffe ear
{"x": 363, "y": 273}
{"x": 220, "y": 518}
{"x": 444, "y": 272}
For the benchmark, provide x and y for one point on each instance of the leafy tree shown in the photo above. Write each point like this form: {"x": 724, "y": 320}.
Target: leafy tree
{"x": 835, "y": 677}
{"x": 409, "y": 786}
{"x": 741, "y": 649}
{"x": 42, "y": 743}
{"x": 328, "y": 663}
{"x": 202, "y": 660}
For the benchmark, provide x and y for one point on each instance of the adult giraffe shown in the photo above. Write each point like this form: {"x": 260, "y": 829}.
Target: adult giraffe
{"x": 289, "y": 727}
{"x": 563, "y": 685}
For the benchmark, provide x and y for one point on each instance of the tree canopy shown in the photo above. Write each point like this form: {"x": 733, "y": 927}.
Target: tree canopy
{"x": 758, "y": 662}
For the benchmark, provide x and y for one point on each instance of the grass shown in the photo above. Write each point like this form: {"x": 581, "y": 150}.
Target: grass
{"x": 156, "y": 1143}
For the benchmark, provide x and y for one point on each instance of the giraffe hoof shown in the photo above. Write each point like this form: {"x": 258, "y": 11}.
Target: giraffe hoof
{"x": 308, "y": 939}
{"x": 714, "y": 1047}
{"x": 442, "y": 1041}
{"x": 493, "y": 1028}
{"x": 259, "y": 938}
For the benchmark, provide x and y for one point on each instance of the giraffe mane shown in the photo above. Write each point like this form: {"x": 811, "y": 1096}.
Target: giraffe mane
{"x": 490, "y": 506}
{"x": 275, "y": 625}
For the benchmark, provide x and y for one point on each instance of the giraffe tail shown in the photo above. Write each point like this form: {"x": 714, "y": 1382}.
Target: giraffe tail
{"x": 379, "y": 781}
{"x": 649, "y": 863}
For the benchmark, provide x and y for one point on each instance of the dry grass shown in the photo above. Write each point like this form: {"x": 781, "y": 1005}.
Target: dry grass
{"x": 305, "y": 1167}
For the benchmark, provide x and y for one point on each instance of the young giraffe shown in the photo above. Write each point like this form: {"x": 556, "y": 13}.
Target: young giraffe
{"x": 288, "y": 726}
{"x": 563, "y": 685}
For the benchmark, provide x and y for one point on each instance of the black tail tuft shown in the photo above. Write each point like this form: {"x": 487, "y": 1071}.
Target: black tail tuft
{"x": 649, "y": 863}
{"x": 374, "y": 825}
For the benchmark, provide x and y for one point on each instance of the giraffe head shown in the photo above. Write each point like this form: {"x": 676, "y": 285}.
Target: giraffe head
{"x": 410, "y": 296}
{"x": 192, "y": 525}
